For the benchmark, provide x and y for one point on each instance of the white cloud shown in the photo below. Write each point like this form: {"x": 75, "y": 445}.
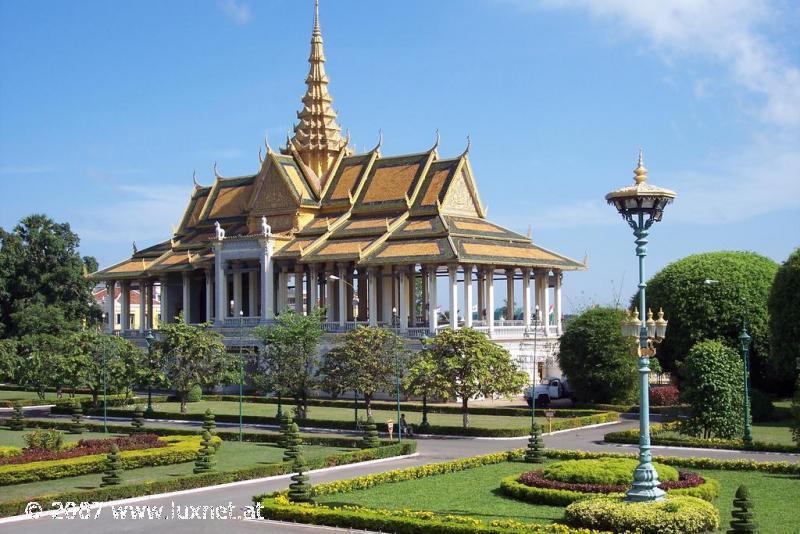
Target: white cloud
{"x": 238, "y": 12}
{"x": 727, "y": 31}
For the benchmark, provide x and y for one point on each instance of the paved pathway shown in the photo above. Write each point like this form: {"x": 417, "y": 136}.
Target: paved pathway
{"x": 239, "y": 496}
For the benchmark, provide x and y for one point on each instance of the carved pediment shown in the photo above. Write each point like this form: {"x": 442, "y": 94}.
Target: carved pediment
{"x": 459, "y": 200}
{"x": 273, "y": 195}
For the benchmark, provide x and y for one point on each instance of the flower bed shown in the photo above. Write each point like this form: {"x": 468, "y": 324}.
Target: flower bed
{"x": 178, "y": 449}
{"x": 675, "y": 515}
{"x": 86, "y": 447}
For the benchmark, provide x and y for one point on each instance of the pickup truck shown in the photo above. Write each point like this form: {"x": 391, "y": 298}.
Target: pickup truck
{"x": 550, "y": 388}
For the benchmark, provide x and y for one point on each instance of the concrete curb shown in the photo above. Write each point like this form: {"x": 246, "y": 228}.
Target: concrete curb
{"x": 699, "y": 449}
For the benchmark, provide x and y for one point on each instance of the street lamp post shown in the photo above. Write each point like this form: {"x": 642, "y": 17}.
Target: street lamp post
{"x": 533, "y": 373}
{"x": 641, "y": 205}
{"x": 150, "y": 339}
{"x": 241, "y": 373}
{"x": 103, "y": 367}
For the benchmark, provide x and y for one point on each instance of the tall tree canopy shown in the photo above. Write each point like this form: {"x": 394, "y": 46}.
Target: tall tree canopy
{"x": 597, "y": 359}
{"x": 367, "y": 360}
{"x": 40, "y": 265}
{"x": 784, "y": 323}
{"x": 699, "y": 311}
{"x": 469, "y": 364}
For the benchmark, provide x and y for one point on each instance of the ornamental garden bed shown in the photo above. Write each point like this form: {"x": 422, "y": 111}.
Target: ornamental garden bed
{"x": 465, "y": 496}
{"x": 342, "y": 418}
{"x": 774, "y": 437}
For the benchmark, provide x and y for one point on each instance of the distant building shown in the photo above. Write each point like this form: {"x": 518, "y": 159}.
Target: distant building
{"x": 100, "y": 295}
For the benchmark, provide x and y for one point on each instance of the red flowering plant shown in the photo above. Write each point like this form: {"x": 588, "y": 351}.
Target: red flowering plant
{"x": 536, "y": 479}
{"x": 664, "y": 395}
{"x": 86, "y": 447}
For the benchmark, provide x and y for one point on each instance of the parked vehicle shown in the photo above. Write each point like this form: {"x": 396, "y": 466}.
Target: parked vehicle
{"x": 548, "y": 389}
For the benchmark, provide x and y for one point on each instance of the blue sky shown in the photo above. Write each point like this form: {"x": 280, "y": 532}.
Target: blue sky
{"x": 106, "y": 108}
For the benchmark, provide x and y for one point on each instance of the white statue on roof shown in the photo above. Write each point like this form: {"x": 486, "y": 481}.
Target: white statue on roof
{"x": 220, "y": 231}
{"x": 266, "y": 229}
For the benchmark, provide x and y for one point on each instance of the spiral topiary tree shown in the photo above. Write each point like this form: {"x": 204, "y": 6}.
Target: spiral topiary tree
{"x": 294, "y": 445}
{"x": 17, "y": 421}
{"x": 370, "y": 439}
{"x": 210, "y": 422}
{"x": 534, "y": 454}
{"x": 77, "y": 426}
{"x": 137, "y": 421}
{"x": 206, "y": 460}
{"x": 285, "y": 425}
{"x": 300, "y": 489}
{"x": 743, "y": 517}
{"x": 113, "y": 468}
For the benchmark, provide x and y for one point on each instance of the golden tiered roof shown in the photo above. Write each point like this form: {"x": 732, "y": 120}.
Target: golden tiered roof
{"x": 325, "y": 204}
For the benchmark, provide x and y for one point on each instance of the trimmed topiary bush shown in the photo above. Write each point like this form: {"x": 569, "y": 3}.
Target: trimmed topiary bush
{"x": 597, "y": 359}
{"x": 675, "y": 515}
{"x": 294, "y": 445}
{"x": 137, "y": 420}
{"x": 713, "y": 389}
{"x": 206, "y": 460}
{"x": 17, "y": 421}
{"x": 534, "y": 454}
{"x": 370, "y": 439}
{"x": 784, "y": 324}
{"x": 77, "y": 426}
{"x": 300, "y": 489}
{"x": 697, "y": 311}
{"x": 195, "y": 394}
{"x": 285, "y": 425}
{"x": 743, "y": 521}
{"x": 210, "y": 422}
{"x": 113, "y": 468}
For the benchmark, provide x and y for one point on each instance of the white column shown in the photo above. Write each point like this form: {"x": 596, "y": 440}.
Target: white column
{"x": 166, "y": 315}
{"x": 151, "y": 323}
{"x": 330, "y": 300}
{"x": 221, "y": 286}
{"x": 468, "y": 296}
{"x": 209, "y": 296}
{"x": 298, "y": 289}
{"x": 557, "y": 305}
{"x": 411, "y": 302}
{"x": 187, "y": 304}
{"x": 267, "y": 281}
{"x": 386, "y": 295}
{"x": 125, "y": 305}
{"x": 481, "y": 278}
{"x": 372, "y": 291}
{"x": 110, "y": 315}
{"x": 342, "y": 293}
{"x": 490, "y": 300}
{"x": 546, "y": 301}
{"x": 510, "y": 294}
{"x": 452, "y": 271}
{"x": 252, "y": 294}
{"x": 313, "y": 276}
{"x": 237, "y": 290}
{"x": 283, "y": 288}
{"x": 526, "y": 296}
{"x": 402, "y": 303}
{"x": 432, "y": 315}
{"x": 142, "y": 306}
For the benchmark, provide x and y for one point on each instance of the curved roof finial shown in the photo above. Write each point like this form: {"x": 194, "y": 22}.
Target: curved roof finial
{"x": 216, "y": 172}
{"x": 194, "y": 179}
{"x": 438, "y": 138}
{"x": 266, "y": 144}
{"x": 469, "y": 144}
{"x": 260, "y": 157}
{"x": 640, "y": 173}
{"x": 380, "y": 141}
{"x": 347, "y": 137}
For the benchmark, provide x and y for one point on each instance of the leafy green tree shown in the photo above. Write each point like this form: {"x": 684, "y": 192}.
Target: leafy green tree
{"x": 469, "y": 364}
{"x": 713, "y": 389}
{"x": 9, "y": 360}
{"x": 795, "y": 424}
{"x": 698, "y": 311}
{"x": 46, "y": 360}
{"x": 40, "y": 265}
{"x": 290, "y": 356}
{"x": 107, "y": 356}
{"x": 422, "y": 379}
{"x": 784, "y": 324}
{"x": 597, "y": 359}
{"x": 367, "y": 359}
{"x": 192, "y": 355}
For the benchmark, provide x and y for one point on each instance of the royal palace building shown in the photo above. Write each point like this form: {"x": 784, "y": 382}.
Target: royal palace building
{"x": 368, "y": 237}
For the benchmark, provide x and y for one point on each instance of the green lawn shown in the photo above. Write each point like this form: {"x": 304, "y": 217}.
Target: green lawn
{"x": 14, "y": 438}
{"x": 474, "y": 492}
{"x": 231, "y": 455}
{"x": 773, "y": 432}
{"x": 346, "y": 414}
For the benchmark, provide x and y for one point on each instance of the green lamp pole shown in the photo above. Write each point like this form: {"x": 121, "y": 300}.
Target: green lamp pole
{"x": 103, "y": 368}
{"x": 744, "y": 342}
{"x": 397, "y": 377}
{"x": 150, "y": 339}
{"x": 241, "y": 373}
{"x": 641, "y": 205}
{"x": 533, "y": 373}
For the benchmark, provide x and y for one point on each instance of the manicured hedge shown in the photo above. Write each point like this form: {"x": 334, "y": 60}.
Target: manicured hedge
{"x": 125, "y": 491}
{"x": 412, "y": 406}
{"x": 634, "y": 408}
{"x": 179, "y": 449}
{"x": 632, "y": 436}
{"x": 558, "y": 424}
{"x": 399, "y": 521}
{"x": 675, "y": 515}
{"x": 9, "y": 451}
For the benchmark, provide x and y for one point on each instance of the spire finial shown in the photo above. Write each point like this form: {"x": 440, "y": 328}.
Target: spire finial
{"x": 438, "y": 138}
{"x": 469, "y": 144}
{"x": 216, "y": 171}
{"x": 194, "y": 179}
{"x": 640, "y": 173}
{"x": 317, "y": 30}
{"x": 380, "y": 140}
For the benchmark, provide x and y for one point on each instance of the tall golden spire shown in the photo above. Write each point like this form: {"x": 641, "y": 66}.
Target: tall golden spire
{"x": 317, "y": 136}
